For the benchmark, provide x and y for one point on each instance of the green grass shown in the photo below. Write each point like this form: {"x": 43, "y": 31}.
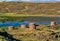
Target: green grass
{"x": 27, "y": 15}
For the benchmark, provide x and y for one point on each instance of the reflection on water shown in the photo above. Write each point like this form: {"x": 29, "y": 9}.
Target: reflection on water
{"x": 37, "y": 20}
{"x": 26, "y": 23}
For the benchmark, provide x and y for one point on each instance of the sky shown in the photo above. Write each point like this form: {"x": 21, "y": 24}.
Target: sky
{"x": 33, "y": 0}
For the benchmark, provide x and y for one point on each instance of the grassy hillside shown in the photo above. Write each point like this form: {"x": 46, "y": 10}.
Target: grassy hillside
{"x": 30, "y": 8}
{"x": 42, "y": 33}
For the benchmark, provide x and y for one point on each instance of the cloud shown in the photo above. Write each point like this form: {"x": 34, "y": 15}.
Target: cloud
{"x": 33, "y": 0}
{"x": 41, "y": 0}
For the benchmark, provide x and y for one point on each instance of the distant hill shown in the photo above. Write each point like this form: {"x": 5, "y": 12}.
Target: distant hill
{"x": 30, "y": 8}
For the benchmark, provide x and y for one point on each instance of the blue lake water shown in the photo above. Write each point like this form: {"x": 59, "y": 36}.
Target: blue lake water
{"x": 15, "y": 24}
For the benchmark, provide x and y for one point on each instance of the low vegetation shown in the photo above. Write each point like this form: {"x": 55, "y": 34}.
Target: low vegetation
{"x": 42, "y": 33}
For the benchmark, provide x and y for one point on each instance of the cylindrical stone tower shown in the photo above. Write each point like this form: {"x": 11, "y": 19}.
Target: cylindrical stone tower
{"x": 53, "y": 23}
{"x": 32, "y": 26}
{"x": 10, "y": 28}
{"x": 23, "y": 26}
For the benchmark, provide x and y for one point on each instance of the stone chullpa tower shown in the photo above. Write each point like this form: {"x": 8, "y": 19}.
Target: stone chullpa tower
{"x": 23, "y": 26}
{"x": 32, "y": 26}
{"x": 53, "y": 23}
{"x": 10, "y": 28}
